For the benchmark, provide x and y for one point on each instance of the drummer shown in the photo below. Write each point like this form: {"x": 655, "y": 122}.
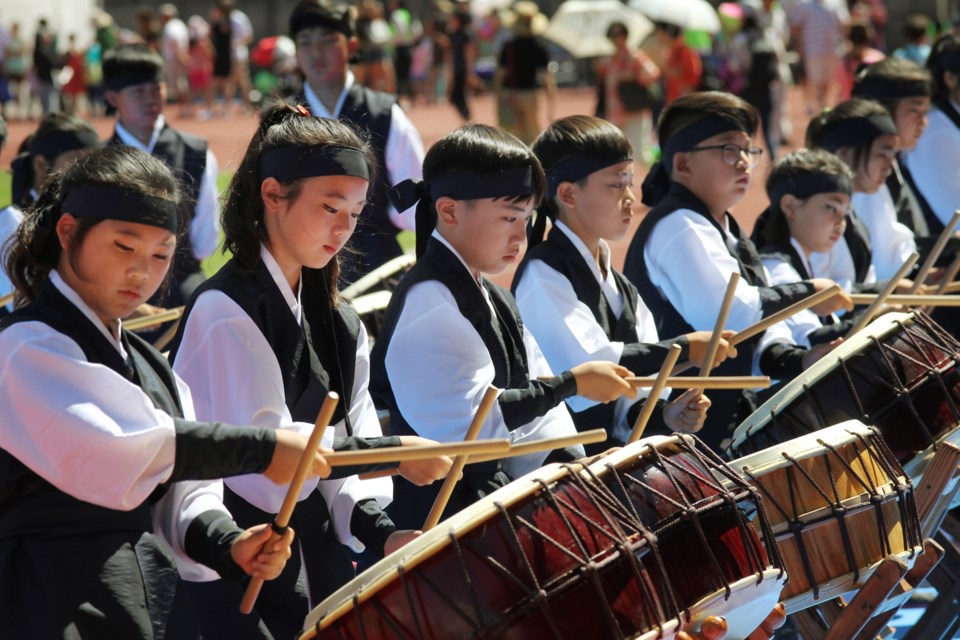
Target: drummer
{"x": 267, "y": 337}
{"x": 99, "y": 453}
{"x": 448, "y": 333}
{"x": 571, "y": 297}
{"x": 687, "y": 247}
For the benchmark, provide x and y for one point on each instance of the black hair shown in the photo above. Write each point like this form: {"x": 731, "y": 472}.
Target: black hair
{"x": 29, "y": 255}
{"x": 242, "y": 217}
{"x": 851, "y": 109}
{"x": 131, "y": 59}
{"x": 592, "y": 137}
{"x": 481, "y": 150}
{"x": 860, "y": 33}
{"x": 915, "y": 27}
{"x": 875, "y": 80}
{"x": 776, "y": 230}
{"x": 617, "y": 27}
{"x": 671, "y": 30}
{"x": 687, "y": 109}
{"x": 944, "y": 55}
{"x": 21, "y": 169}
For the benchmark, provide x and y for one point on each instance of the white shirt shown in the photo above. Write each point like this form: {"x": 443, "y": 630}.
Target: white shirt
{"x": 569, "y": 332}
{"x": 837, "y": 265}
{"x": 935, "y": 164}
{"x": 174, "y": 41}
{"x": 779, "y": 271}
{"x": 92, "y": 433}
{"x": 690, "y": 264}
{"x": 439, "y": 369}
{"x": 403, "y": 150}
{"x": 891, "y": 241}
{"x": 10, "y": 218}
{"x": 241, "y": 34}
{"x": 205, "y": 227}
{"x": 236, "y": 378}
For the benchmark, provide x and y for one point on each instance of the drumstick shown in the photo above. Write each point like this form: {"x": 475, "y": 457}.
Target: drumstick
{"x": 716, "y": 382}
{"x": 167, "y": 336}
{"x": 881, "y": 299}
{"x": 906, "y": 299}
{"x": 148, "y": 321}
{"x": 935, "y": 252}
{"x": 783, "y": 314}
{"x": 417, "y": 452}
{"x": 290, "y": 500}
{"x": 7, "y": 299}
{"x": 648, "y": 405}
{"x": 947, "y": 285}
{"x": 714, "y": 343}
{"x": 446, "y": 490}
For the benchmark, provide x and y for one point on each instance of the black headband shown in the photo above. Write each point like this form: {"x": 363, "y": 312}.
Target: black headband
{"x": 511, "y": 183}
{"x": 287, "y": 164}
{"x": 949, "y": 60}
{"x": 132, "y": 77}
{"x": 53, "y": 144}
{"x": 857, "y": 131}
{"x": 309, "y": 15}
{"x": 114, "y": 203}
{"x": 657, "y": 182}
{"x": 810, "y": 184}
{"x": 879, "y": 88}
{"x": 576, "y": 167}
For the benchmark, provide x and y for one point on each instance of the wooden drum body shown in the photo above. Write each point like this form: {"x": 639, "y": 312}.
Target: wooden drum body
{"x": 838, "y": 503}
{"x": 899, "y": 374}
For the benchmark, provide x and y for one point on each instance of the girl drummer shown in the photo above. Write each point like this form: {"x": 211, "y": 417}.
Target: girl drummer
{"x": 449, "y": 333}
{"x": 98, "y": 449}
{"x": 706, "y": 168}
{"x": 567, "y": 291}
{"x": 264, "y": 340}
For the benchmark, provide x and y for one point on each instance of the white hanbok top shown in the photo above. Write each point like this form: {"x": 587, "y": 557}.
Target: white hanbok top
{"x": 935, "y": 164}
{"x": 10, "y": 219}
{"x": 891, "y": 241}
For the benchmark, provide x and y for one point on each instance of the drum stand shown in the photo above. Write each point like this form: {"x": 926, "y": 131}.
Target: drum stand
{"x": 941, "y": 621}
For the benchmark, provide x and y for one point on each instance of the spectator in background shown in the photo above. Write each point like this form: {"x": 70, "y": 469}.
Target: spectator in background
{"x": 174, "y": 43}
{"x": 406, "y": 32}
{"x": 521, "y": 71}
{"x": 148, "y": 27}
{"x": 221, "y": 37}
{"x": 462, "y": 56}
{"x": 375, "y": 68}
{"x": 682, "y": 69}
{"x": 817, "y": 34}
{"x": 917, "y": 48}
{"x": 200, "y": 66}
{"x": 76, "y": 87}
{"x": 874, "y": 13}
{"x": 623, "y": 73}
{"x": 859, "y": 54}
{"x": 241, "y": 35}
{"x": 16, "y": 63}
{"x": 45, "y": 64}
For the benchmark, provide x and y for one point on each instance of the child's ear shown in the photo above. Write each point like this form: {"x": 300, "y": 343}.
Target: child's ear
{"x": 567, "y": 195}
{"x": 788, "y": 204}
{"x": 681, "y": 166}
{"x": 66, "y": 230}
{"x": 272, "y": 193}
{"x": 111, "y": 97}
{"x": 446, "y": 210}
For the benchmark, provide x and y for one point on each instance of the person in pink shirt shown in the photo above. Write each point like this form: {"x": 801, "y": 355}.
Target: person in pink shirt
{"x": 683, "y": 69}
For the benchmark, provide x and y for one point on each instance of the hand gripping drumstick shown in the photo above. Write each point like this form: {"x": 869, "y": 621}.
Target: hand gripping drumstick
{"x": 446, "y": 490}
{"x": 935, "y": 252}
{"x": 651, "y": 400}
{"x": 714, "y": 343}
{"x": 290, "y": 500}
{"x": 874, "y": 307}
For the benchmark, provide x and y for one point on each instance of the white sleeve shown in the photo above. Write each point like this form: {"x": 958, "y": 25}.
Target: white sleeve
{"x": 78, "y": 425}
{"x": 234, "y": 376}
{"x": 800, "y": 325}
{"x": 205, "y": 227}
{"x": 9, "y": 221}
{"x": 363, "y": 417}
{"x": 566, "y": 328}
{"x": 935, "y": 165}
{"x": 404, "y": 155}
{"x": 891, "y": 241}
{"x": 174, "y": 512}
{"x": 690, "y": 264}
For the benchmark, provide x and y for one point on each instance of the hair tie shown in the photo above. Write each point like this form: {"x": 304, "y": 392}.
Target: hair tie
{"x": 302, "y": 110}
{"x": 655, "y": 185}
{"x": 408, "y": 193}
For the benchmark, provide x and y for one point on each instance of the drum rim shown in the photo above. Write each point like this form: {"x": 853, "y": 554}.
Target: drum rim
{"x": 746, "y": 587}
{"x": 879, "y": 328}
{"x": 771, "y": 459}
{"x": 371, "y": 581}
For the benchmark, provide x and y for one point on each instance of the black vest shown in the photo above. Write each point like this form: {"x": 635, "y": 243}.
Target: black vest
{"x": 31, "y": 505}
{"x": 913, "y": 210}
{"x": 375, "y": 238}
{"x": 186, "y": 155}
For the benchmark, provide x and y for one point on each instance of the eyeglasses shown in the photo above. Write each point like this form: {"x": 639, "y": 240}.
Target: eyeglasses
{"x": 731, "y": 153}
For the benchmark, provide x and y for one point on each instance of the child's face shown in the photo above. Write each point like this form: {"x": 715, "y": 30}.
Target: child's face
{"x": 817, "y": 222}
{"x": 323, "y": 55}
{"x": 120, "y": 265}
{"x": 487, "y": 233}
{"x": 139, "y": 105}
{"x": 911, "y": 118}
{"x": 604, "y": 204}
{"x": 874, "y": 170}
{"x": 708, "y": 175}
{"x": 310, "y": 229}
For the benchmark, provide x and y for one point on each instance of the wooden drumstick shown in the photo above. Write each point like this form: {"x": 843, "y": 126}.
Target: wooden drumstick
{"x": 290, "y": 500}
{"x": 881, "y": 299}
{"x": 947, "y": 285}
{"x": 783, "y": 314}
{"x": 716, "y": 382}
{"x": 417, "y": 452}
{"x": 149, "y": 321}
{"x": 648, "y": 405}
{"x": 935, "y": 252}
{"x": 486, "y": 404}
{"x": 909, "y": 300}
{"x": 166, "y": 336}
{"x": 7, "y": 299}
{"x": 714, "y": 343}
